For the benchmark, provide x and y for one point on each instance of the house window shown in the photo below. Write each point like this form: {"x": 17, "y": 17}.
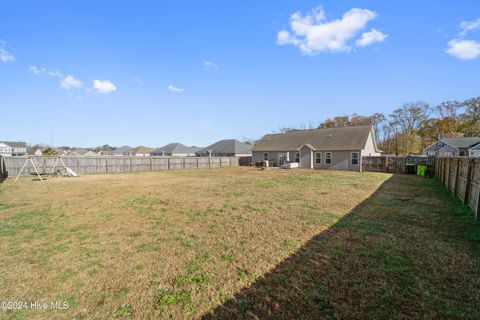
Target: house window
{"x": 328, "y": 157}
{"x": 265, "y": 156}
{"x": 297, "y": 157}
{"x": 354, "y": 158}
{"x": 318, "y": 157}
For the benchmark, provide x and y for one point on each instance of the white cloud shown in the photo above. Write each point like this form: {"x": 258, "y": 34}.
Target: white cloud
{"x": 210, "y": 64}
{"x": 38, "y": 71}
{"x": 370, "y": 37}
{"x": 55, "y": 74}
{"x": 175, "y": 89}
{"x": 70, "y": 82}
{"x": 41, "y": 71}
{"x": 6, "y": 56}
{"x": 467, "y": 26}
{"x": 463, "y": 49}
{"x": 104, "y": 86}
{"x": 313, "y": 34}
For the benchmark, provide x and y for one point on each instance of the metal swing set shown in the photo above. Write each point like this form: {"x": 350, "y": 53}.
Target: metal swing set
{"x": 53, "y": 172}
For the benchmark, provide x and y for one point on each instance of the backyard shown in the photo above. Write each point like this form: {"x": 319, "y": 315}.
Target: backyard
{"x": 238, "y": 243}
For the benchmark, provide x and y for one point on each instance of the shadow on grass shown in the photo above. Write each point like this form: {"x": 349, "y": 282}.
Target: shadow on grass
{"x": 379, "y": 261}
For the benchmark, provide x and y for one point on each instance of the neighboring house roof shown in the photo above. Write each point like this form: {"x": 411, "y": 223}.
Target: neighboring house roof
{"x": 176, "y": 148}
{"x": 341, "y": 138}
{"x": 475, "y": 147}
{"x": 79, "y": 151}
{"x": 231, "y": 146}
{"x": 464, "y": 142}
{"x": 142, "y": 150}
{"x": 90, "y": 153}
{"x": 458, "y": 143}
{"x": 15, "y": 144}
{"x": 122, "y": 150}
{"x": 35, "y": 151}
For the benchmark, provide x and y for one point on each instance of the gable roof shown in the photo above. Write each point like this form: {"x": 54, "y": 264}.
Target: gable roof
{"x": 122, "y": 150}
{"x": 463, "y": 142}
{"x": 142, "y": 150}
{"x": 176, "y": 147}
{"x": 475, "y": 147}
{"x": 341, "y": 138}
{"x": 228, "y": 146}
{"x": 90, "y": 153}
{"x": 15, "y": 144}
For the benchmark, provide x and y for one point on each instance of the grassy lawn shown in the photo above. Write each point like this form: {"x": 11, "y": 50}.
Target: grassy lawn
{"x": 238, "y": 243}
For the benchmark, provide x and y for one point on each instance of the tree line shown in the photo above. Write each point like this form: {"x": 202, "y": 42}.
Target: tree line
{"x": 415, "y": 125}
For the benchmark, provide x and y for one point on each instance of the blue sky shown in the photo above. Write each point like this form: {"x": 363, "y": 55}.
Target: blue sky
{"x": 86, "y": 73}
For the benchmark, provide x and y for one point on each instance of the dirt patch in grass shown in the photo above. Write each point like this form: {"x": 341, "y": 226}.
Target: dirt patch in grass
{"x": 236, "y": 243}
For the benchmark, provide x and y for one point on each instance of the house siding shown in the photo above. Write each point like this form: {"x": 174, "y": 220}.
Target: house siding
{"x": 369, "y": 149}
{"x": 273, "y": 156}
{"x": 340, "y": 159}
{"x": 448, "y": 151}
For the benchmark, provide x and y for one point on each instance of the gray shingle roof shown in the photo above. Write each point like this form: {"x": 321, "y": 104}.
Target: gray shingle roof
{"x": 463, "y": 142}
{"x": 15, "y": 144}
{"x": 231, "y": 146}
{"x": 342, "y": 138}
{"x": 176, "y": 148}
{"x": 122, "y": 150}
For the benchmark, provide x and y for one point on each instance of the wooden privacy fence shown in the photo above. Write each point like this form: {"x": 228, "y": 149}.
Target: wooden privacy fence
{"x": 461, "y": 176}
{"x": 115, "y": 164}
{"x": 3, "y": 170}
{"x": 396, "y": 164}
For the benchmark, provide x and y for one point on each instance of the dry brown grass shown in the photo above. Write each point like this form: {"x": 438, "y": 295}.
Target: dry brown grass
{"x": 168, "y": 243}
{"x": 180, "y": 244}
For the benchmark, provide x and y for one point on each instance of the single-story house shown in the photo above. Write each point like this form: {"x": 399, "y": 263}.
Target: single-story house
{"x": 142, "y": 151}
{"x": 452, "y": 146}
{"x": 123, "y": 151}
{"x": 105, "y": 153}
{"x": 175, "y": 150}
{"x": 35, "y": 151}
{"x": 13, "y": 148}
{"x": 226, "y": 148}
{"x": 323, "y": 148}
{"x": 90, "y": 153}
{"x": 77, "y": 152}
{"x": 474, "y": 151}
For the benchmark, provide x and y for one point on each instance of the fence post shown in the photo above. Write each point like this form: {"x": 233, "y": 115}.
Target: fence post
{"x": 209, "y": 164}
{"x": 471, "y": 163}
{"x": 457, "y": 175}
{"x": 478, "y": 204}
{"x": 447, "y": 178}
{"x": 183, "y": 162}
{"x": 168, "y": 163}
{"x": 197, "y": 162}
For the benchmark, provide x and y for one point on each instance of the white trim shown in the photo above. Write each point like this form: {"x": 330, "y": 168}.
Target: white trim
{"x": 315, "y": 157}
{"x": 351, "y": 158}
{"x": 448, "y": 146}
{"x": 331, "y": 158}
{"x": 441, "y": 140}
{"x": 475, "y": 147}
